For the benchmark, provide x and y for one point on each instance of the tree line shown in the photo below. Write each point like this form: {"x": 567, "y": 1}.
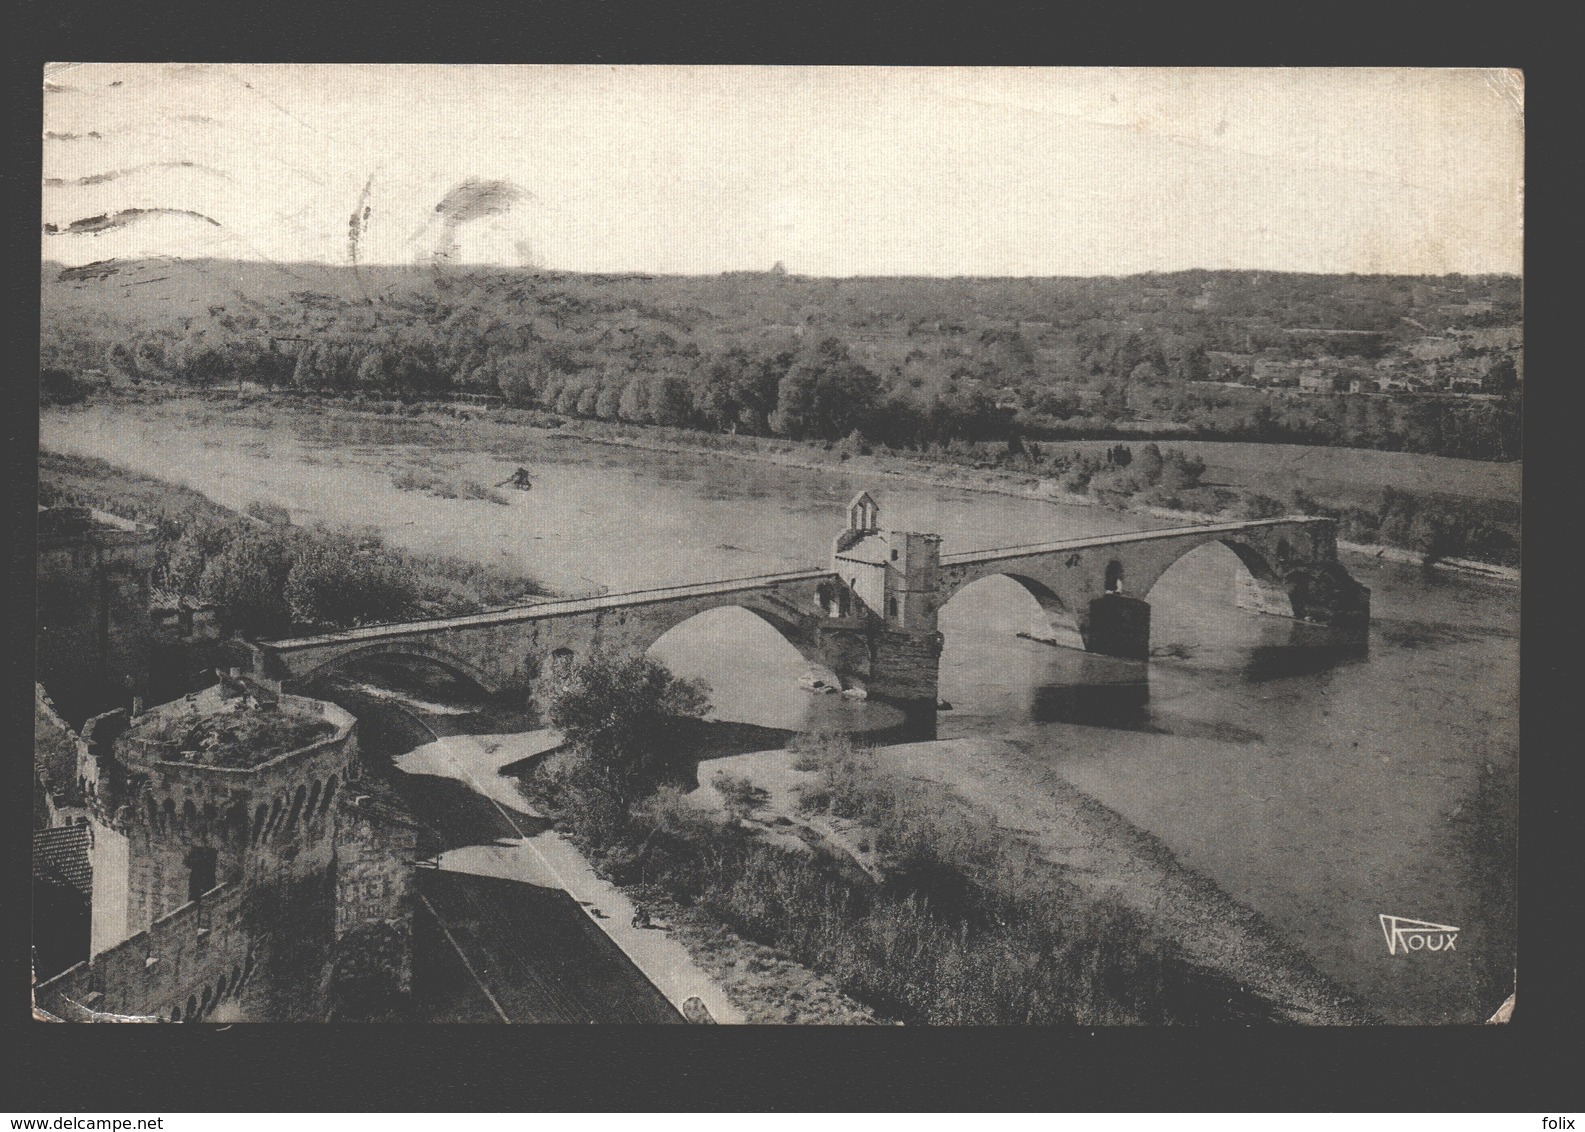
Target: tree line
{"x": 852, "y": 355}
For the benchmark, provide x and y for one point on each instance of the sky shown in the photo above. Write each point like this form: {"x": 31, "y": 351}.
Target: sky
{"x": 828, "y": 171}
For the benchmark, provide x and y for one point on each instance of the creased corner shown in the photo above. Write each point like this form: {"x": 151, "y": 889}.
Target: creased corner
{"x": 1504, "y": 1013}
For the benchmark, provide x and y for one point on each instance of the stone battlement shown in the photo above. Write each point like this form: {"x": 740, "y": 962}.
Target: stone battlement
{"x": 178, "y": 969}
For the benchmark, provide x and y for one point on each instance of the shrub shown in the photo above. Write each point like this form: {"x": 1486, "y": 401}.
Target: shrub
{"x": 335, "y": 581}
{"x": 61, "y": 387}
{"x": 1257, "y": 505}
{"x": 740, "y": 796}
{"x": 271, "y": 513}
{"x": 247, "y": 580}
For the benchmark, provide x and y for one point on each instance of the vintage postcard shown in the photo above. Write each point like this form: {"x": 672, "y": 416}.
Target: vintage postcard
{"x": 778, "y": 545}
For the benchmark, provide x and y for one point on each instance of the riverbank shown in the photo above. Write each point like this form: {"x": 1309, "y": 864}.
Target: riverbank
{"x": 1231, "y": 947}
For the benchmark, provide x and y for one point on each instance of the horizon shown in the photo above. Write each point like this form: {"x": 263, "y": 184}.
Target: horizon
{"x": 858, "y": 172}
{"x": 485, "y": 268}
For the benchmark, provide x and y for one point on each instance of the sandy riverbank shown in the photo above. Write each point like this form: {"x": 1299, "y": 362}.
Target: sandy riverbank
{"x": 1095, "y": 848}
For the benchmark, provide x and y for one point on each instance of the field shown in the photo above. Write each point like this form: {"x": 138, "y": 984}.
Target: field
{"x": 1278, "y": 469}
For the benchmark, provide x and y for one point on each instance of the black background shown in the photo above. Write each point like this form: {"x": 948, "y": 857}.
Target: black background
{"x": 56, "y": 1069}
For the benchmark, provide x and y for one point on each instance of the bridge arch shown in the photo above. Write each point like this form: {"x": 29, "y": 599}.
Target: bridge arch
{"x": 407, "y": 649}
{"x": 659, "y": 622}
{"x": 1261, "y": 583}
{"x": 784, "y": 627}
{"x": 792, "y": 655}
{"x": 1056, "y": 622}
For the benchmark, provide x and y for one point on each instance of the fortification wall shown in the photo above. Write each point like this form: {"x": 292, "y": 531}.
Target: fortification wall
{"x": 93, "y": 603}
{"x": 181, "y": 968}
{"x": 376, "y": 845}
{"x": 58, "y": 751}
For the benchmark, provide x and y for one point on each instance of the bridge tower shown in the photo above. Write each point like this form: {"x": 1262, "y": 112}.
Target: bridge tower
{"x": 887, "y": 596}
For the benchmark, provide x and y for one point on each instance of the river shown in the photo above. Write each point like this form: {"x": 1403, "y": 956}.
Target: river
{"x": 1322, "y": 787}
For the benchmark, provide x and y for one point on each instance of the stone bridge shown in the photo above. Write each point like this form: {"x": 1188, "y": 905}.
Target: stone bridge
{"x": 868, "y": 621}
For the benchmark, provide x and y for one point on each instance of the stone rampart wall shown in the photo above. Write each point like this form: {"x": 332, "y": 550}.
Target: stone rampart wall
{"x": 181, "y": 968}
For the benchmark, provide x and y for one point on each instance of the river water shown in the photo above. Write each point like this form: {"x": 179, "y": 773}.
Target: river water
{"x": 1321, "y": 786}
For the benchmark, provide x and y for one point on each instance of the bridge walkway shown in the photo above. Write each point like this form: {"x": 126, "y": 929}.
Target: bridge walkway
{"x": 519, "y": 613}
{"x": 758, "y": 583}
{"x": 975, "y": 557}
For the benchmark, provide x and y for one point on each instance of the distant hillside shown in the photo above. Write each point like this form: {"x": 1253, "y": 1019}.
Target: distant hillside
{"x": 1338, "y": 301}
{"x": 1394, "y": 362}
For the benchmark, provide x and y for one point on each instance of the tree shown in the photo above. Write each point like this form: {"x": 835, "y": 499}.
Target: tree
{"x": 371, "y": 372}
{"x": 632, "y": 404}
{"x": 1180, "y": 470}
{"x": 247, "y": 580}
{"x": 149, "y": 355}
{"x": 1146, "y": 373}
{"x": 825, "y": 394}
{"x": 121, "y": 359}
{"x": 1151, "y": 463}
{"x": 670, "y": 399}
{"x": 1503, "y": 377}
{"x": 334, "y": 581}
{"x": 60, "y": 387}
{"x": 624, "y": 717}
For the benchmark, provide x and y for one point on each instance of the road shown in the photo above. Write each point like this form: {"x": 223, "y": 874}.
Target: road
{"x": 489, "y": 830}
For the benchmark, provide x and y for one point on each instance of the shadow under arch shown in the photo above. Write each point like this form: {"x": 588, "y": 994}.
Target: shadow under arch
{"x": 787, "y": 628}
{"x": 801, "y": 655}
{"x": 767, "y": 683}
{"x": 372, "y": 656}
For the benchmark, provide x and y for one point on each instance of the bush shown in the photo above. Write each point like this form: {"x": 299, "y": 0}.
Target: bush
{"x": 843, "y": 770}
{"x": 740, "y": 796}
{"x": 271, "y": 513}
{"x": 1258, "y": 505}
{"x": 335, "y": 581}
{"x": 61, "y": 387}
{"x": 247, "y": 580}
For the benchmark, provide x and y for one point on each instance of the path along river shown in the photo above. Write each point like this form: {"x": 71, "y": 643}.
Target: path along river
{"x": 1322, "y": 789}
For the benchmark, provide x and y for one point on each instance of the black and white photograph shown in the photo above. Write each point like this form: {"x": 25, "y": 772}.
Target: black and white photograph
{"x": 778, "y": 545}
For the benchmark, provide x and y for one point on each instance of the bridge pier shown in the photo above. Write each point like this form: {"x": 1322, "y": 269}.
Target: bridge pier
{"x": 1324, "y": 594}
{"x": 1118, "y": 626}
{"x": 905, "y": 673}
